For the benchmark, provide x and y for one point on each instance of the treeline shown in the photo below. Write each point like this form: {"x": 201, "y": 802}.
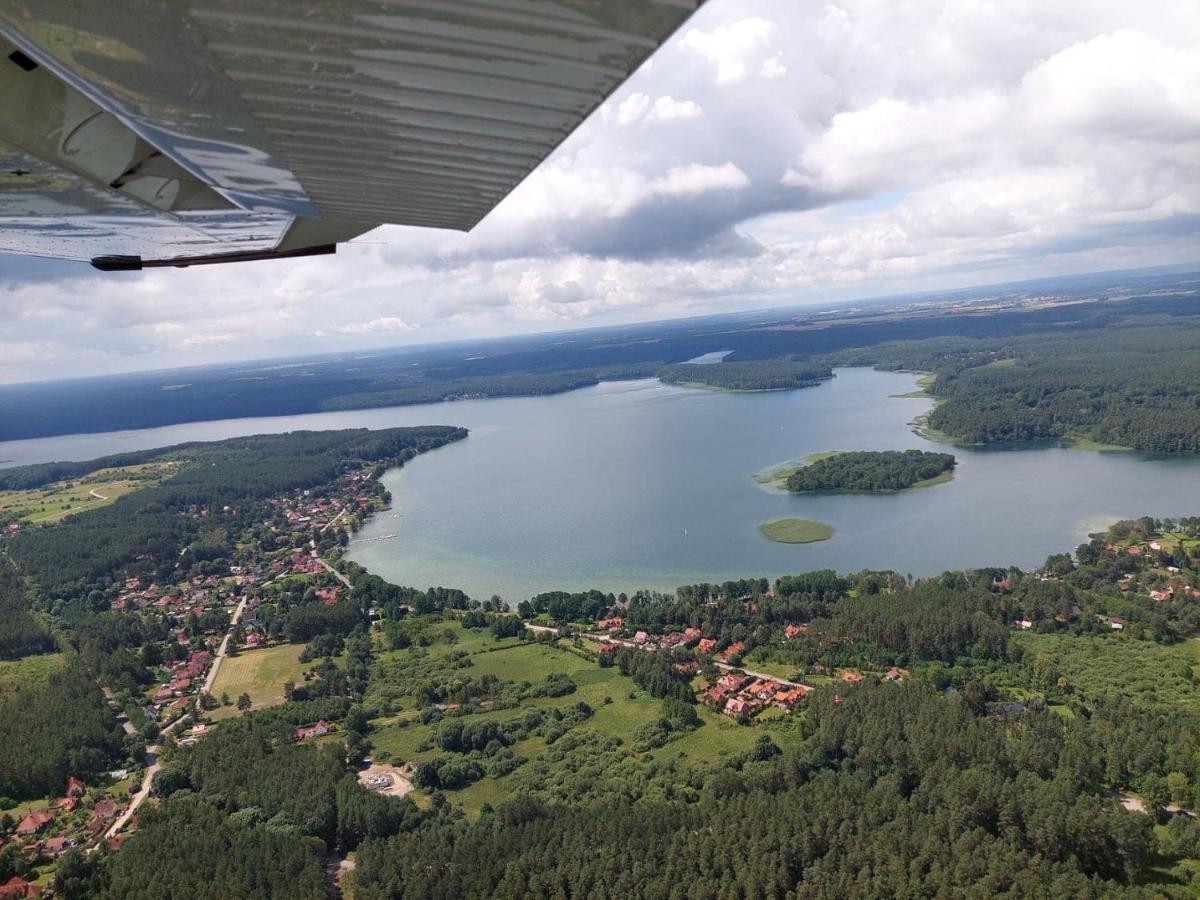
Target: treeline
{"x": 752, "y": 375}
{"x": 145, "y": 530}
{"x": 58, "y": 728}
{"x": 898, "y": 791}
{"x": 870, "y": 470}
{"x": 1131, "y": 386}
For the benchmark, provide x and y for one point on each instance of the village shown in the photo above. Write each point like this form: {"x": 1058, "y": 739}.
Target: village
{"x": 208, "y": 618}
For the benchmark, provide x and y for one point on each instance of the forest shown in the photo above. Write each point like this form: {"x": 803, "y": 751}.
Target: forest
{"x": 1136, "y": 386}
{"x": 755, "y": 375}
{"x": 870, "y": 470}
{"x": 795, "y": 346}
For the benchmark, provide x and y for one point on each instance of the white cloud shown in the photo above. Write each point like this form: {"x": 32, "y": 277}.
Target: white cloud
{"x": 729, "y": 47}
{"x": 382, "y": 324}
{"x": 699, "y": 179}
{"x": 774, "y": 153}
{"x": 668, "y": 109}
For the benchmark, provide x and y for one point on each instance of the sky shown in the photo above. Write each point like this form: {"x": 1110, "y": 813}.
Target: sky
{"x": 772, "y": 153}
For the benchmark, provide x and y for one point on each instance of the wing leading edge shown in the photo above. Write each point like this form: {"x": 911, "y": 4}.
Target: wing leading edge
{"x": 145, "y": 133}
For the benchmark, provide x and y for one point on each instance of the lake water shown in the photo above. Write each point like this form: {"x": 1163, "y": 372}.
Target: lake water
{"x": 639, "y": 484}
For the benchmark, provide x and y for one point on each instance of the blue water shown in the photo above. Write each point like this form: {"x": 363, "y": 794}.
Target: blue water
{"x": 639, "y": 484}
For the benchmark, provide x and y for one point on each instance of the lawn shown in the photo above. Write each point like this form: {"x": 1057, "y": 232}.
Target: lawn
{"x": 795, "y": 531}
{"x": 259, "y": 673}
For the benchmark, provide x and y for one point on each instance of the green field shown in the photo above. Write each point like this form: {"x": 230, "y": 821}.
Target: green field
{"x": 795, "y": 531}
{"x": 619, "y": 704}
{"x": 17, "y": 673}
{"x": 259, "y": 673}
{"x": 54, "y": 502}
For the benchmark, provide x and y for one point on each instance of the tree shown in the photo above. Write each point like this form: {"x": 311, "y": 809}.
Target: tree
{"x": 244, "y": 702}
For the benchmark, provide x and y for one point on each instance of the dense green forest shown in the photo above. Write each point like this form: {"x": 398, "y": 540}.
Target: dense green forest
{"x": 1132, "y": 386}
{"x": 896, "y": 792}
{"x": 870, "y": 470}
{"x": 59, "y": 728}
{"x": 757, "y": 375}
{"x": 20, "y": 633}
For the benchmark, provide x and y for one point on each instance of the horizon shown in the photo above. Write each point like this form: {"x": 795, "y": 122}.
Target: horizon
{"x": 769, "y": 155}
{"x": 901, "y": 300}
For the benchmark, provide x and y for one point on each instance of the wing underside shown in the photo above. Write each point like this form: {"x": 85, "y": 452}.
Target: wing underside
{"x": 151, "y": 133}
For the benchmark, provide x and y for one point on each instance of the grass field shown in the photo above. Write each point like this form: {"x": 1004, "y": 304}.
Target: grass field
{"x": 259, "y": 673}
{"x": 620, "y": 706}
{"x": 56, "y": 501}
{"x": 17, "y": 673}
{"x": 795, "y": 531}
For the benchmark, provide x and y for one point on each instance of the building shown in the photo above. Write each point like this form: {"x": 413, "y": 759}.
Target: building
{"x": 34, "y": 822}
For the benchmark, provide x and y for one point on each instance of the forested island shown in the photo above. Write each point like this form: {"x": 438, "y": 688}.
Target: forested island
{"x": 762, "y": 375}
{"x": 1016, "y": 732}
{"x": 870, "y": 470}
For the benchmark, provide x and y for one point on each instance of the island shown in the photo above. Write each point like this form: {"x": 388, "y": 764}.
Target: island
{"x": 867, "y": 470}
{"x": 750, "y": 376}
{"x": 795, "y": 531}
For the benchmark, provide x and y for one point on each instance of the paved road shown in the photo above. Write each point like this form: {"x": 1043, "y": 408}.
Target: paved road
{"x": 224, "y": 648}
{"x": 335, "y": 573}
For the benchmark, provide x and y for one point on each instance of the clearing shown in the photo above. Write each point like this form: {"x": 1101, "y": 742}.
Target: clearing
{"x": 259, "y": 673}
{"x": 54, "y": 502}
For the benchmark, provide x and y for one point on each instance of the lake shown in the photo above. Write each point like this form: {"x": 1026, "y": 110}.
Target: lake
{"x": 640, "y": 484}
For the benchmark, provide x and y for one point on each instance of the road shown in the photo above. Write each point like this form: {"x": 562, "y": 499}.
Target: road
{"x": 143, "y": 792}
{"x": 224, "y": 648}
{"x": 333, "y": 521}
{"x": 335, "y": 573}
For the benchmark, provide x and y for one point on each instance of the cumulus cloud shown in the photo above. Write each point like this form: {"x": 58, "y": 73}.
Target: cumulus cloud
{"x": 773, "y": 153}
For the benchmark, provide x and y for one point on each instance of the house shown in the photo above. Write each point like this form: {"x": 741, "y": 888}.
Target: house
{"x": 1160, "y": 596}
{"x": 641, "y": 637}
{"x": 794, "y": 631}
{"x": 75, "y": 788}
{"x": 198, "y": 730}
{"x": 1116, "y": 624}
{"x": 34, "y": 822}
{"x": 732, "y": 681}
{"x": 253, "y": 640}
{"x": 789, "y": 698}
{"x": 690, "y": 634}
{"x": 613, "y": 624}
{"x": 893, "y": 675}
{"x": 1023, "y": 624}
{"x": 733, "y": 650}
{"x": 852, "y": 677}
{"x": 106, "y": 809}
{"x": 765, "y": 690}
{"x": 736, "y": 706}
{"x": 321, "y": 728}
{"x": 17, "y": 888}
{"x": 53, "y": 847}
{"x": 706, "y": 646}
{"x": 687, "y": 668}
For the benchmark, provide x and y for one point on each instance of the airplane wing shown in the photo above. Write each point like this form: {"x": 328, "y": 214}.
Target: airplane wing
{"x": 178, "y": 132}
